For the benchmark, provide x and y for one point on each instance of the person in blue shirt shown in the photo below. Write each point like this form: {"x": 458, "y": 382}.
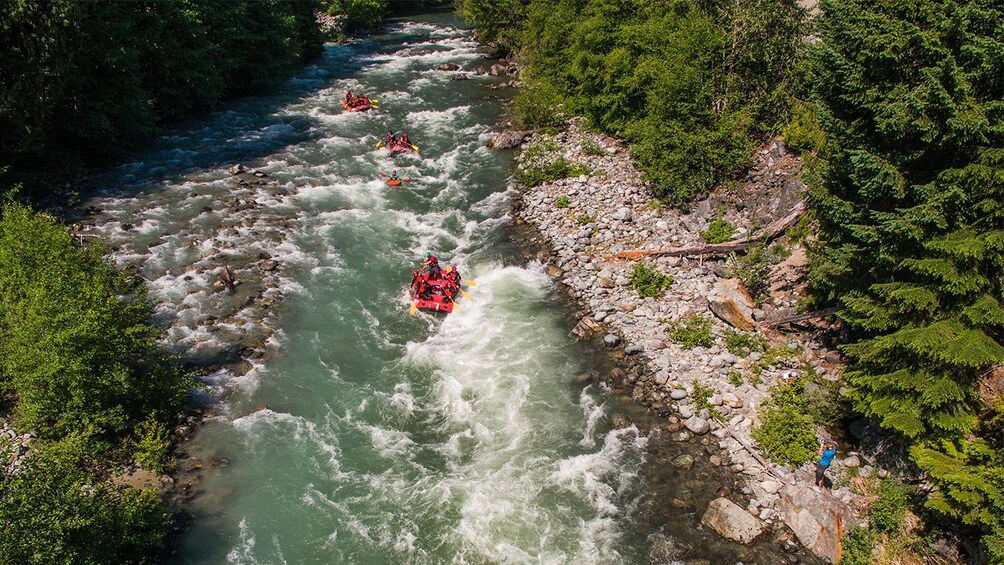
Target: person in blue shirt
{"x": 827, "y": 450}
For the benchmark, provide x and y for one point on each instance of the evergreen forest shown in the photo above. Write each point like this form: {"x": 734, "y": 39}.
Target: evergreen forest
{"x": 898, "y": 107}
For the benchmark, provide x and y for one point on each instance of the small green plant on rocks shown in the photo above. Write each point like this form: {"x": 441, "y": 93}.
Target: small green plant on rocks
{"x": 648, "y": 282}
{"x": 585, "y": 219}
{"x": 702, "y": 395}
{"x": 787, "y": 434}
{"x": 590, "y": 147}
{"x": 692, "y": 332}
{"x": 719, "y": 230}
{"x": 744, "y": 343}
{"x": 753, "y": 269}
{"x": 735, "y": 378}
{"x": 562, "y": 202}
{"x": 541, "y": 162}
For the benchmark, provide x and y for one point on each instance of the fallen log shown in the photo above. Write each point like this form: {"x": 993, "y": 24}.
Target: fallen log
{"x": 771, "y": 232}
{"x": 799, "y": 317}
{"x": 228, "y": 279}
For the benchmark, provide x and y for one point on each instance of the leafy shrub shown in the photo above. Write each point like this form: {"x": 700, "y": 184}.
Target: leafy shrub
{"x": 804, "y": 133}
{"x": 590, "y": 147}
{"x": 858, "y": 546}
{"x": 753, "y": 269}
{"x": 540, "y": 164}
{"x": 76, "y": 345}
{"x": 701, "y": 395}
{"x": 152, "y": 450}
{"x": 562, "y": 202}
{"x": 692, "y": 332}
{"x": 735, "y": 378}
{"x": 538, "y": 105}
{"x": 744, "y": 343}
{"x": 648, "y": 282}
{"x": 719, "y": 230}
{"x": 890, "y": 508}
{"x": 786, "y": 433}
{"x": 55, "y": 511}
{"x": 363, "y": 15}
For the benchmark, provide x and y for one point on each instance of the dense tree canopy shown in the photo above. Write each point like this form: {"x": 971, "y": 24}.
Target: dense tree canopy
{"x": 86, "y": 79}
{"x": 910, "y": 202}
{"x": 691, "y": 85}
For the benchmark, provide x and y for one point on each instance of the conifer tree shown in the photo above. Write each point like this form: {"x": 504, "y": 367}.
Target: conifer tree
{"x": 910, "y": 198}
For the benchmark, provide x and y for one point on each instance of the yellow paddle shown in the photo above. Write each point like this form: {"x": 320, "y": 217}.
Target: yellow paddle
{"x": 374, "y": 106}
{"x": 415, "y": 147}
{"x": 471, "y": 283}
{"x": 379, "y": 143}
{"x": 456, "y": 306}
{"x": 462, "y": 291}
{"x": 414, "y": 308}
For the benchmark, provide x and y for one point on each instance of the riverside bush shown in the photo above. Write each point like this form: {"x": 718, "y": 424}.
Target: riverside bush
{"x": 890, "y": 508}
{"x": 541, "y": 163}
{"x": 803, "y": 133}
{"x": 753, "y": 269}
{"x": 719, "y": 230}
{"x": 858, "y": 547}
{"x": 648, "y": 282}
{"x": 562, "y": 202}
{"x": 786, "y": 433}
{"x": 76, "y": 347}
{"x": 744, "y": 343}
{"x": 152, "y": 450}
{"x": 692, "y": 332}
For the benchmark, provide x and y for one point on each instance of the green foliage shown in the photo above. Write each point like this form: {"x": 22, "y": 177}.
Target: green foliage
{"x": 753, "y": 269}
{"x": 804, "y": 133}
{"x": 736, "y": 378}
{"x": 541, "y": 162}
{"x": 75, "y": 343}
{"x": 692, "y": 332}
{"x": 590, "y": 147}
{"x": 585, "y": 219}
{"x": 786, "y": 433}
{"x": 363, "y": 15}
{"x": 719, "y": 230}
{"x": 890, "y": 508}
{"x": 83, "y": 80}
{"x": 55, "y": 511}
{"x": 153, "y": 446}
{"x": 744, "y": 343}
{"x": 648, "y": 282}
{"x": 858, "y": 546}
{"x": 688, "y": 84}
{"x": 562, "y": 202}
{"x": 701, "y": 395}
{"x": 909, "y": 197}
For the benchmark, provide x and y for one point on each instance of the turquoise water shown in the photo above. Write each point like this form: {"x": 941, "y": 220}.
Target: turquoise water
{"x": 364, "y": 435}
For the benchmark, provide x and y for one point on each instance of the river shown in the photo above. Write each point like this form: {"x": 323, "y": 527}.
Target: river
{"x": 356, "y": 433}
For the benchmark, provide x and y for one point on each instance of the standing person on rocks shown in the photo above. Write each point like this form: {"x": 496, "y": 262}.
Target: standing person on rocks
{"x": 827, "y": 451}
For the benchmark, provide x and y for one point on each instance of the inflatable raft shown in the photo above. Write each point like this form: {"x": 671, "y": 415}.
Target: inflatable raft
{"x": 438, "y": 300}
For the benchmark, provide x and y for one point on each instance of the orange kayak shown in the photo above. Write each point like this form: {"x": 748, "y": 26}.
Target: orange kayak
{"x": 394, "y": 182}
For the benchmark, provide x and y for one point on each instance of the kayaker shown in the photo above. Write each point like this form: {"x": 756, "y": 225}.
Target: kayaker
{"x": 393, "y": 175}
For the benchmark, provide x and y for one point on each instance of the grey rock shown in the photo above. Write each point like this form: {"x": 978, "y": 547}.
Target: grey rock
{"x": 698, "y": 425}
{"x": 611, "y": 340}
{"x": 731, "y": 521}
{"x": 622, "y": 214}
{"x": 678, "y": 394}
{"x": 683, "y": 462}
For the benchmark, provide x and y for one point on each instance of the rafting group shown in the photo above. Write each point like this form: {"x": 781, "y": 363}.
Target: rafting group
{"x": 358, "y": 102}
{"x": 432, "y": 287}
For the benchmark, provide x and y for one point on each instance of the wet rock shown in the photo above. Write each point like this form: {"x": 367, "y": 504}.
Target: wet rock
{"x": 619, "y": 421}
{"x": 732, "y": 522}
{"x": 698, "y": 425}
{"x": 723, "y": 491}
{"x": 684, "y": 461}
{"x": 586, "y": 329}
{"x": 509, "y": 139}
{"x": 448, "y": 67}
{"x": 611, "y": 340}
{"x": 237, "y": 169}
{"x": 459, "y": 76}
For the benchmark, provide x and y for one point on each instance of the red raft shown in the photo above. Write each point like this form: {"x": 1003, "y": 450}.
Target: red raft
{"x": 400, "y": 148}
{"x": 357, "y": 107}
{"x": 438, "y": 298}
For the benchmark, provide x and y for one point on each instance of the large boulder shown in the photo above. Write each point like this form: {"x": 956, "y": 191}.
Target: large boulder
{"x": 729, "y": 301}
{"x": 509, "y": 139}
{"x": 448, "y": 67}
{"x": 586, "y": 329}
{"x": 818, "y": 519}
{"x": 731, "y": 521}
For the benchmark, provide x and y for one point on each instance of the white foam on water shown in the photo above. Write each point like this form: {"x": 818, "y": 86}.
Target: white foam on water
{"x": 243, "y": 552}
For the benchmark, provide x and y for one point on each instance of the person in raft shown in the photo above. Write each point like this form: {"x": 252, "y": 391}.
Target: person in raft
{"x": 405, "y": 140}
{"x": 390, "y": 140}
{"x": 827, "y": 450}
{"x": 433, "y": 264}
{"x": 453, "y": 275}
{"x": 416, "y": 277}
{"x": 350, "y": 99}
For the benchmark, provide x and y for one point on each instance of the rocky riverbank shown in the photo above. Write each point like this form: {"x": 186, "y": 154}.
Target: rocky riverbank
{"x": 705, "y": 391}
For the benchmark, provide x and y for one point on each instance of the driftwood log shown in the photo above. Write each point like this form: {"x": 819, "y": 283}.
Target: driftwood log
{"x": 228, "y": 280}
{"x": 771, "y": 232}
{"x": 799, "y": 317}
